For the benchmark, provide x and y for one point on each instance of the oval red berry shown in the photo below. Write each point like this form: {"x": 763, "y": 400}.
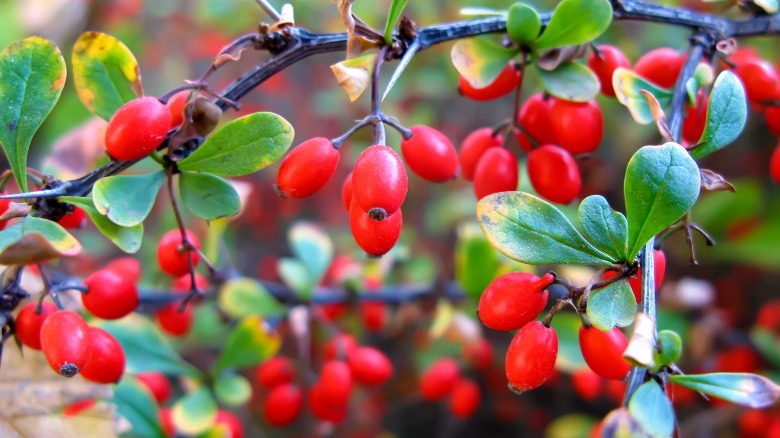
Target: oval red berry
{"x": 430, "y": 154}
{"x": 137, "y": 128}
{"x": 307, "y": 168}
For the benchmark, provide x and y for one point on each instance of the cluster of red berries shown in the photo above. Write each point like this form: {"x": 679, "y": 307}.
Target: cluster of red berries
{"x": 174, "y": 259}
{"x": 443, "y": 379}
{"x": 328, "y": 398}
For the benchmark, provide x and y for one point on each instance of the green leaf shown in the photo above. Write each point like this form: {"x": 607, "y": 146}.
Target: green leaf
{"x": 136, "y": 404}
{"x": 702, "y": 77}
{"x": 208, "y": 196}
{"x": 249, "y": 344}
{"x": 128, "y": 239}
{"x": 32, "y": 75}
{"x": 35, "y": 240}
{"x": 613, "y": 305}
{"x": 242, "y": 297}
{"x": 669, "y": 346}
{"x": 295, "y": 275}
{"x": 523, "y": 24}
{"x": 531, "y": 230}
{"x": 145, "y": 348}
{"x": 479, "y": 11}
{"x": 662, "y": 183}
{"x": 312, "y": 246}
{"x": 105, "y": 73}
{"x": 604, "y": 227}
{"x": 652, "y": 409}
{"x": 476, "y": 261}
{"x": 195, "y": 412}
{"x": 576, "y": 22}
{"x": 480, "y": 60}
{"x": 628, "y": 85}
{"x": 243, "y": 146}
{"x": 127, "y": 199}
{"x": 726, "y": 115}
{"x": 567, "y": 326}
{"x": 570, "y": 81}
{"x": 232, "y": 389}
{"x": 744, "y": 389}
{"x": 396, "y": 8}
{"x": 766, "y": 343}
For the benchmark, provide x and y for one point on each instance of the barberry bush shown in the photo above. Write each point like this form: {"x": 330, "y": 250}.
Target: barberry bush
{"x": 500, "y": 237}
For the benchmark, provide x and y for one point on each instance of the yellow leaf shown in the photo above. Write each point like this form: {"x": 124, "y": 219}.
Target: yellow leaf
{"x": 354, "y": 75}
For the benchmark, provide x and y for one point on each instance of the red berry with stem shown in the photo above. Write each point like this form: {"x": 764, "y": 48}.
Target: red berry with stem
{"x": 127, "y": 267}
{"x": 774, "y": 165}
{"x": 530, "y": 358}
{"x": 554, "y": 174}
{"x": 346, "y": 191}
{"x": 158, "y": 385}
{"x": 335, "y": 382}
{"x": 603, "y": 352}
{"x": 513, "y": 300}
{"x": 74, "y": 220}
{"x": 465, "y": 399}
{"x": 503, "y": 84}
{"x": 184, "y": 283}
{"x": 65, "y": 342}
{"x": 374, "y": 237}
{"x": 106, "y": 363}
{"x": 307, "y": 168}
{"x": 696, "y": 119}
{"x": 578, "y": 126}
{"x": 28, "y": 323}
{"x": 276, "y": 371}
{"x": 174, "y": 322}
{"x": 771, "y": 117}
{"x": 109, "y": 295}
{"x": 283, "y": 404}
{"x": 430, "y": 154}
{"x": 379, "y": 181}
{"x": 474, "y": 146}
{"x": 761, "y": 80}
{"x": 370, "y": 366}
{"x": 497, "y": 171}
{"x": 439, "y": 379}
{"x": 340, "y": 346}
{"x": 137, "y": 128}
{"x": 604, "y": 66}
{"x": 535, "y": 118}
{"x": 229, "y": 425}
{"x": 176, "y": 106}
{"x": 173, "y": 257}
{"x": 373, "y": 314}
{"x": 323, "y": 409}
{"x": 660, "y": 66}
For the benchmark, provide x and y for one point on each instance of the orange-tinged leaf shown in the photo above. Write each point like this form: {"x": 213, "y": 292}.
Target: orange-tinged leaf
{"x": 33, "y": 240}
{"x": 354, "y": 75}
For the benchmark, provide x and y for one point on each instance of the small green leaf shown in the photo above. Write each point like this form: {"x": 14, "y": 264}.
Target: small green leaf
{"x": 242, "y": 297}
{"x": 480, "y": 60}
{"x": 523, "y": 24}
{"x": 669, "y": 346}
{"x": 35, "y": 240}
{"x": 396, "y": 8}
{"x": 127, "y": 199}
{"x": 726, "y": 115}
{"x": 312, "y": 247}
{"x": 128, "y": 239}
{"x": 105, "y": 73}
{"x": 476, "y": 261}
{"x": 576, "y": 22}
{"x": 208, "y": 196}
{"x": 628, "y": 85}
{"x": 570, "y": 81}
{"x": 295, "y": 275}
{"x": 744, "y": 389}
{"x": 243, "y": 146}
{"x": 702, "y": 77}
{"x": 32, "y": 75}
{"x": 662, "y": 183}
{"x": 195, "y": 412}
{"x": 766, "y": 343}
{"x": 232, "y": 389}
{"x": 613, "y": 305}
{"x": 604, "y": 227}
{"x": 531, "y": 230}
{"x": 652, "y": 409}
{"x": 136, "y": 404}
{"x": 249, "y": 344}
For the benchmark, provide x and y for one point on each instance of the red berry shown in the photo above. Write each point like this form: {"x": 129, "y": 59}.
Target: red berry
{"x": 176, "y": 106}
{"x": 438, "y": 380}
{"x": 28, "y": 323}
{"x": 173, "y": 257}
{"x": 230, "y": 424}
{"x": 696, "y": 119}
{"x": 109, "y": 295}
{"x": 340, "y": 346}
{"x": 479, "y": 354}
{"x": 513, "y": 300}
{"x": 761, "y": 80}
{"x": 184, "y": 283}
{"x": 335, "y": 382}
{"x": 530, "y": 358}
{"x": 738, "y": 359}
{"x": 474, "y": 146}
{"x": 307, "y": 168}
{"x": 586, "y": 384}
{"x": 373, "y": 314}
{"x": 603, "y": 352}
{"x": 660, "y": 66}
{"x": 768, "y": 316}
{"x": 374, "y": 237}
{"x": 323, "y": 409}
{"x": 465, "y": 399}
{"x": 166, "y": 421}
{"x": 346, "y": 191}
{"x": 430, "y": 154}
{"x": 774, "y": 165}
{"x": 127, "y": 267}
{"x": 137, "y": 128}
{"x": 659, "y": 265}
{"x": 578, "y": 126}
{"x": 276, "y": 371}
{"x": 379, "y": 181}
{"x": 604, "y": 66}
{"x": 771, "y": 117}
{"x": 174, "y": 322}
{"x": 283, "y": 404}
{"x": 554, "y": 174}
{"x": 496, "y": 171}
{"x": 158, "y": 385}
{"x": 370, "y": 366}
{"x": 106, "y": 362}
{"x": 535, "y": 118}
{"x": 503, "y": 84}
{"x": 4, "y": 204}
{"x": 74, "y": 220}
{"x": 79, "y": 407}
{"x": 66, "y": 342}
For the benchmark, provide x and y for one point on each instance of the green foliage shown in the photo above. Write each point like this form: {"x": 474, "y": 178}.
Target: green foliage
{"x": 396, "y": 8}
{"x": 613, "y": 305}
{"x": 576, "y": 22}
{"x": 32, "y": 75}
{"x": 295, "y": 275}
{"x": 523, "y": 24}
{"x": 136, "y": 404}
{"x": 250, "y": 343}
{"x": 742, "y": 388}
{"x": 208, "y": 196}
{"x": 195, "y": 412}
{"x": 726, "y": 115}
{"x": 570, "y": 81}
{"x": 35, "y": 240}
{"x": 232, "y": 389}
{"x": 312, "y": 246}
{"x": 628, "y": 85}
{"x": 480, "y": 60}
{"x": 127, "y": 199}
{"x": 567, "y": 326}
{"x": 476, "y": 262}
{"x": 669, "y": 348}
{"x": 128, "y": 239}
{"x": 242, "y": 297}
{"x": 650, "y": 407}
{"x": 702, "y": 77}
{"x": 604, "y": 227}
